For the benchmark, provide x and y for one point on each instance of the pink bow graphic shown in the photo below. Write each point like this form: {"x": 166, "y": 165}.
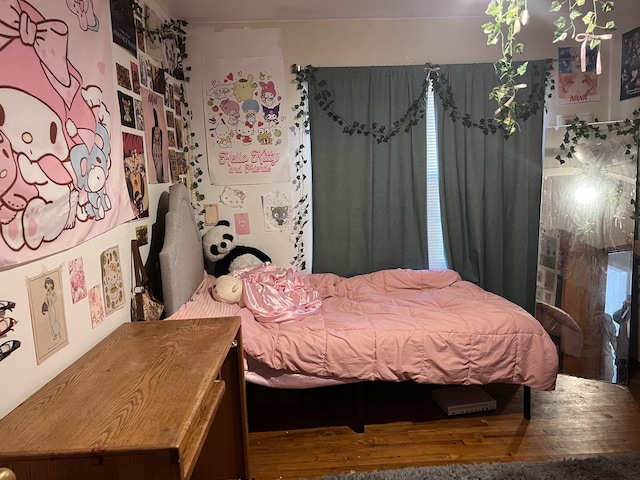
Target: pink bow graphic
{"x": 48, "y": 38}
{"x": 584, "y": 38}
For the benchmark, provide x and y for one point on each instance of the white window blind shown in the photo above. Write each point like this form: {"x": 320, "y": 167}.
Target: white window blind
{"x": 435, "y": 240}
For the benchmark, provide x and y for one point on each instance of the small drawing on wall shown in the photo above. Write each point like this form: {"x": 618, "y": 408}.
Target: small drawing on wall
{"x": 47, "y": 314}
{"x": 278, "y": 211}
{"x": 548, "y": 251}
{"x": 211, "y": 215}
{"x": 242, "y": 225}
{"x": 142, "y": 235}
{"x": 96, "y": 308}
{"x": 76, "y": 278}
{"x": 112, "y": 284}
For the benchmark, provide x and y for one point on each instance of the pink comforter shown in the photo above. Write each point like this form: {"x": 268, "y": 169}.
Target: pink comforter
{"x": 426, "y": 326}
{"x": 421, "y": 325}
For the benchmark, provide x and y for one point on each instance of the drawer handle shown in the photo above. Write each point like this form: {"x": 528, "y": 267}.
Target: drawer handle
{"x": 7, "y": 474}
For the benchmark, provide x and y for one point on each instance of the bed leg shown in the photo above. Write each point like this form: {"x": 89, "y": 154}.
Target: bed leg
{"x": 359, "y": 418}
{"x": 527, "y": 402}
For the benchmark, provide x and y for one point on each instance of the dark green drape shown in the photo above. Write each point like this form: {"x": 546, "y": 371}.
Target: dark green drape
{"x": 369, "y": 207}
{"x": 490, "y": 188}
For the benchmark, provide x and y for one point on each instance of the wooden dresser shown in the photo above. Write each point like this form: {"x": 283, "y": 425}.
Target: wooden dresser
{"x": 156, "y": 400}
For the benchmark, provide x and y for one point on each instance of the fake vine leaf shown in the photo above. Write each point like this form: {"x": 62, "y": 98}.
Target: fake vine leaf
{"x": 324, "y": 98}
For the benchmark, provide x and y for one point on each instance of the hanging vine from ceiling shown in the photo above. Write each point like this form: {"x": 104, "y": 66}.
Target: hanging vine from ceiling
{"x": 509, "y": 16}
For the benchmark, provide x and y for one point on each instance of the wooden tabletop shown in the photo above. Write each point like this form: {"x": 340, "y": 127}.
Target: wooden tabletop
{"x": 146, "y": 384}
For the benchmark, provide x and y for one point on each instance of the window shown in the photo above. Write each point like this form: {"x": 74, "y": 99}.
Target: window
{"x": 435, "y": 240}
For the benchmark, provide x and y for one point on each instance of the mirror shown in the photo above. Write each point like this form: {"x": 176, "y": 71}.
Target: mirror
{"x": 585, "y": 256}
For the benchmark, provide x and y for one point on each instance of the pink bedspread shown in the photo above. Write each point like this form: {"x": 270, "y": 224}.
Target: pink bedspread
{"x": 394, "y": 325}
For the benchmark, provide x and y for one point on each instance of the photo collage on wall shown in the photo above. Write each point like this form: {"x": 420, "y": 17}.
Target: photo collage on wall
{"x": 149, "y": 96}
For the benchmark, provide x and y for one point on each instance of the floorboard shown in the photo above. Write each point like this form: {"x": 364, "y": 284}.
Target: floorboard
{"x": 296, "y": 434}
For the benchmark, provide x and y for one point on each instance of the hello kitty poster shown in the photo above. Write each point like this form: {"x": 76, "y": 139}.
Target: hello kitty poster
{"x": 61, "y": 184}
{"x": 246, "y": 121}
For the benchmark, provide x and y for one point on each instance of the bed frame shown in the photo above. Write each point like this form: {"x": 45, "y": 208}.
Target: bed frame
{"x": 183, "y": 270}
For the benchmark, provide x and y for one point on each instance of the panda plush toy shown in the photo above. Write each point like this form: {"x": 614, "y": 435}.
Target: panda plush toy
{"x": 221, "y": 249}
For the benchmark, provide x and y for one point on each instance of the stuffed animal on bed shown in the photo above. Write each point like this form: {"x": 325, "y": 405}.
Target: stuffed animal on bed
{"x": 221, "y": 249}
{"x": 228, "y": 289}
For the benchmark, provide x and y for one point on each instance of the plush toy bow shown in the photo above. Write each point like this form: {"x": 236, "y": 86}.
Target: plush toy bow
{"x": 48, "y": 38}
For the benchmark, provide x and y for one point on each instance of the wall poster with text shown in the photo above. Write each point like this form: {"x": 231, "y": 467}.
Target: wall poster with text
{"x": 245, "y": 120}
{"x": 574, "y": 85}
{"x": 630, "y": 75}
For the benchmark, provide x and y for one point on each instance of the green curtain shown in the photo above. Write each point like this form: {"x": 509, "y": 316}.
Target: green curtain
{"x": 369, "y": 198}
{"x": 490, "y": 188}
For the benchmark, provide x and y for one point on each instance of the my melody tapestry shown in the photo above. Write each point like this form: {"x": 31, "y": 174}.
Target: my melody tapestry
{"x": 246, "y": 124}
{"x": 59, "y": 125}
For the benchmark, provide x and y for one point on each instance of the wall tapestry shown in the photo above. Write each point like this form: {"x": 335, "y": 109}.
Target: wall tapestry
{"x": 59, "y": 127}
{"x": 630, "y": 78}
{"x": 574, "y": 85}
{"x": 47, "y": 314}
{"x": 245, "y": 121}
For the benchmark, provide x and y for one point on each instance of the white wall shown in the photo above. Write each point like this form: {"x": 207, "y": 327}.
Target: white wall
{"x": 323, "y": 43}
{"x": 19, "y": 372}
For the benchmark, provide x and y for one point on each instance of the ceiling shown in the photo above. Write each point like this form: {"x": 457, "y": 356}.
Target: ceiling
{"x": 289, "y": 10}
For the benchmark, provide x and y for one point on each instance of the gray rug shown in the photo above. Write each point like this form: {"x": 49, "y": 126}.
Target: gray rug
{"x": 613, "y": 467}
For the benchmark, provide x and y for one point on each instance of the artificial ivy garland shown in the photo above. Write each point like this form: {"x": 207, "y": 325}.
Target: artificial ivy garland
{"x": 520, "y": 110}
{"x": 579, "y": 129}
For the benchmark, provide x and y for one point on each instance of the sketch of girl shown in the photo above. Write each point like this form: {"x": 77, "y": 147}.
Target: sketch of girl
{"x": 49, "y": 307}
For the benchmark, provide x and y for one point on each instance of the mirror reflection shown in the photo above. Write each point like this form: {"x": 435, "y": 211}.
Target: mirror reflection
{"x": 585, "y": 259}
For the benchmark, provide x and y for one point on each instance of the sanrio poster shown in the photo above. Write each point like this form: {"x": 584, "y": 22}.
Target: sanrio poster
{"x": 62, "y": 183}
{"x": 246, "y": 121}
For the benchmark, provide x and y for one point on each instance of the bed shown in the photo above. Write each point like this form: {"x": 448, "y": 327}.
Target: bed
{"x": 395, "y": 325}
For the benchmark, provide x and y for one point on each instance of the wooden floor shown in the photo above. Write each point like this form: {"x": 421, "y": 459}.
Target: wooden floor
{"x": 306, "y": 434}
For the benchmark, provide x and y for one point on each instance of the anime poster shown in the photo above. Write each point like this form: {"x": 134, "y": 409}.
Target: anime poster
{"x": 61, "y": 124}
{"x": 77, "y": 280}
{"x": 157, "y": 139}
{"x": 47, "y": 314}
{"x": 245, "y": 121}
{"x": 574, "y": 85}
{"x": 179, "y": 167}
{"x": 124, "y": 29}
{"x": 112, "y": 283}
{"x": 630, "y": 77}
{"x": 136, "y": 174}
{"x": 127, "y": 115}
